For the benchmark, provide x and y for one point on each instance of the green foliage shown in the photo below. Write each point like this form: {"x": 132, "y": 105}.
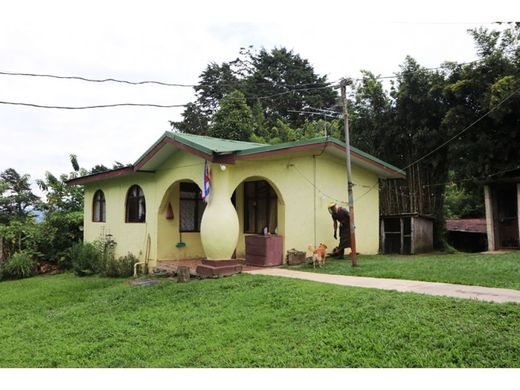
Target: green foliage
{"x": 87, "y": 259}
{"x": 283, "y": 76}
{"x": 22, "y": 235}
{"x": 492, "y": 145}
{"x": 234, "y": 118}
{"x": 61, "y": 230}
{"x": 120, "y": 267}
{"x": 16, "y": 196}
{"x": 98, "y": 258}
{"x": 19, "y": 265}
{"x": 59, "y": 195}
{"x": 460, "y": 203}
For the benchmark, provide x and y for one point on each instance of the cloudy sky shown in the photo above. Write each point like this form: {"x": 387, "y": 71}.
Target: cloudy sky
{"x": 173, "y": 42}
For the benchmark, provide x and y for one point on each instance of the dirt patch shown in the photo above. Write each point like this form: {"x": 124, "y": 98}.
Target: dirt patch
{"x": 44, "y": 267}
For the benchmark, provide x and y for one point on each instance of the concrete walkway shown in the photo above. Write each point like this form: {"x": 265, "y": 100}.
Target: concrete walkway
{"x": 499, "y": 295}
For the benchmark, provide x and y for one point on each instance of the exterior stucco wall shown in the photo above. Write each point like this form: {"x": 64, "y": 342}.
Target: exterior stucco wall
{"x": 130, "y": 237}
{"x": 304, "y": 185}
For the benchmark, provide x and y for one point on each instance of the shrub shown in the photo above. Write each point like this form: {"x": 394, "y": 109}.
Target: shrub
{"x": 20, "y": 265}
{"x": 62, "y": 230}
{"x": 123, "y": 266}
{"x": 86, "y": 259}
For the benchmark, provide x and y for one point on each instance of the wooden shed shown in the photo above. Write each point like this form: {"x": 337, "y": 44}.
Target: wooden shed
{"x": 406, "y": 234}
{"x": 502, "y": 198}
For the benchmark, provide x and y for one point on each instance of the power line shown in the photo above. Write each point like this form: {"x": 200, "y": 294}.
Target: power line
{"x": 324, "y": 195}
{"x": 315, "y": 113}
{"x": 167, "y": 84}
{"x": 81, "y": 78}
{"x": 150, "y": 104}
{"x": 93, "y": 107}
{"x": 473, "y": 178}
{"x": 463, "y": 130}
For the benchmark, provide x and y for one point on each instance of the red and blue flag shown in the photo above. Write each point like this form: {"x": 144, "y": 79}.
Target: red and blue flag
{"x": 206, "y": 182}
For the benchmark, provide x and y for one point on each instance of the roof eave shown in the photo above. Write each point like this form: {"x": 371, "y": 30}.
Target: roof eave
{"x": 113, "y": 173}
{"x": 384, "y": 170}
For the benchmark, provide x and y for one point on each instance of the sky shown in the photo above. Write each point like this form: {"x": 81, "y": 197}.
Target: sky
{"x": 173, "y": 42}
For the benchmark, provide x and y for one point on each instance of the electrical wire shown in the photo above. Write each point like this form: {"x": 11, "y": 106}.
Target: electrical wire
{"x": 151, "y": 104}
{"x": 95, "y": 106}
{"x": 472, "y": 178}
{"x": 325, "y": 195}
{"x": 162, "y": 83}
{"x": 463, "y": 130}
{"x": 81, "y": 78}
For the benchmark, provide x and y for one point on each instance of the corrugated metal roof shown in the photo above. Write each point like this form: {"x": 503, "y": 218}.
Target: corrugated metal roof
{"x": 470, "y": 225}
{"x": 216, "y": 145}
{"x": 211, "y": 148}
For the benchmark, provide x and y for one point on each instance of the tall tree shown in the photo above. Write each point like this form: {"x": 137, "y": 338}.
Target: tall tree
{"x": 278, "y": 82}
{"x": 16, "y": 196}
{"x": 487, "y": 91}
{"x": 17, "y": 201}
{"x": 371, "y": 115}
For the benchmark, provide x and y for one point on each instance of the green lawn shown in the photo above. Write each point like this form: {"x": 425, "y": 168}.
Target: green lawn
{"x": 498, "y": 270}
{"x": 246, "y": 321}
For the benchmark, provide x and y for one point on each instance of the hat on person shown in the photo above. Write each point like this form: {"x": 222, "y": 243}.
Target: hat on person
{"x": 331, "y": 205}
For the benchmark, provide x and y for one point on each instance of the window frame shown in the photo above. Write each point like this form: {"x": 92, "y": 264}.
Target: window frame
{"x": 197, "y": 200}
{"x": 102, "y": 207}
{"x": 135, "y": 200}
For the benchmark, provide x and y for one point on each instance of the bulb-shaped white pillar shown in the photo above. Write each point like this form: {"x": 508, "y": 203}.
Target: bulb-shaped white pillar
{"x": 219, "y": 225}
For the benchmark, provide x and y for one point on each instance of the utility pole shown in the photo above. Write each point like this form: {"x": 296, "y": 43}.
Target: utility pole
{"x": 343, "y": 85}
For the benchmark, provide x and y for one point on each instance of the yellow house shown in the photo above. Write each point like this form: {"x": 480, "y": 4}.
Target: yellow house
{"x": 154, "y": 209}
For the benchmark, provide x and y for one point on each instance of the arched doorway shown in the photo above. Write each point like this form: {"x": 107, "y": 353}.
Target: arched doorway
{"x": 260, "y": 208}
{"x": 178, "y": 222}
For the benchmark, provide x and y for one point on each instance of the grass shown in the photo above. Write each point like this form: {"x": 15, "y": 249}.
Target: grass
{"x": 499, "y": 270}
{"x": 246, "y": 321}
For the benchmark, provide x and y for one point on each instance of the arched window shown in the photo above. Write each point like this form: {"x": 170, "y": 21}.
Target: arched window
{"x": 135, "y": 205}
{"x": 191, "y": 207}
{"x": 98, "y": 207}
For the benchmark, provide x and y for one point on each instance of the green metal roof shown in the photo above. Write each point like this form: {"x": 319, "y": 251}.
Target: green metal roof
{"x": 219, "y": 146}
{"x": 216, "y": 145}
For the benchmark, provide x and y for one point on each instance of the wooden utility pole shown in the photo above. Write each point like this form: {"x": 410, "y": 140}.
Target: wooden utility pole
{"x": 343, "y": 85}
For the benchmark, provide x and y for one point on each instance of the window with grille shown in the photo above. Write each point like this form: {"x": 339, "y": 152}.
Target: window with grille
{"x": 260, "y": 207}
{"x": 191, "y": 207}
{"x": 99, "y": 207}
{"x": 135, "y": 205}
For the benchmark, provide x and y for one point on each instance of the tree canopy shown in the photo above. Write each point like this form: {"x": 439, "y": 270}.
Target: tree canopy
{"x": 275, "y": 85}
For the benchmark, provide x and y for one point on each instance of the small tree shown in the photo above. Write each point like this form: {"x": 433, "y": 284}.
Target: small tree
{"x": 16, "y": 203}
{"x": 234, "y": 119}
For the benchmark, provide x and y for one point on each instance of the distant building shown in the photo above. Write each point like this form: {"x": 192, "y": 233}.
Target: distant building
{"x": 406, "y": 234}
{"x": 502, "y": 197}
{"x": 467, "y": 235}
